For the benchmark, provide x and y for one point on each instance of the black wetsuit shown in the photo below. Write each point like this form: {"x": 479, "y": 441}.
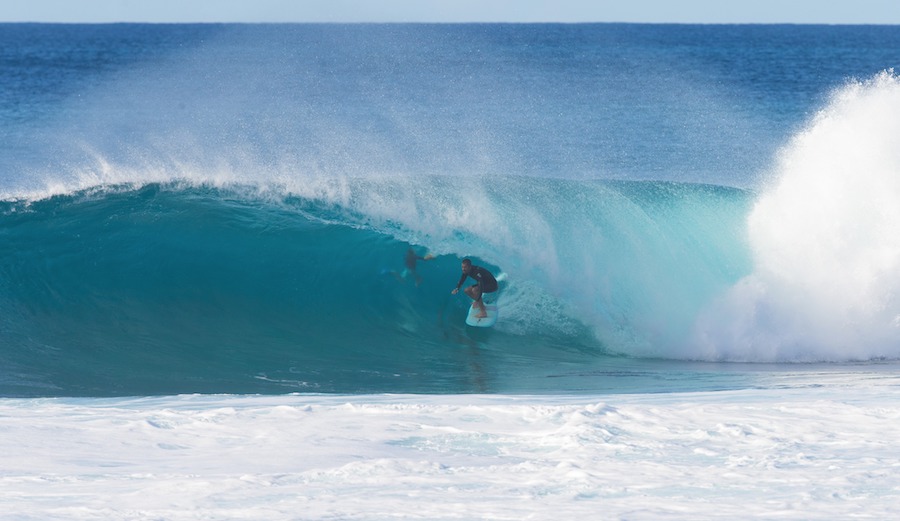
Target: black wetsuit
{"x": 486, "y": 281}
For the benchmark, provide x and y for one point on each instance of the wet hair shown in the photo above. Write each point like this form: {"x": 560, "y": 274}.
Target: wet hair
{"x": 466, "y": 262}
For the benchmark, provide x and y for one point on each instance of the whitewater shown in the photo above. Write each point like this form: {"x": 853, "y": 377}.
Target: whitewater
{"x": 204, "y": 316}
{"x": 801, "y": 453}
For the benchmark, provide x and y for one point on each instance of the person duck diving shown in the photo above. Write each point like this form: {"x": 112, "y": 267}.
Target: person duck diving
{"x": 485, "y": 283}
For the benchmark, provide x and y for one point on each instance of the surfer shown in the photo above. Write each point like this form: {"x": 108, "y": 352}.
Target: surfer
{"x": 410, "y": 262}
{"x": 486, "y": 283}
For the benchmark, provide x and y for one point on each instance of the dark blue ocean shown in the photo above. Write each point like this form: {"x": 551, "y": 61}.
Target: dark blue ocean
{"x": 226, "y": 208}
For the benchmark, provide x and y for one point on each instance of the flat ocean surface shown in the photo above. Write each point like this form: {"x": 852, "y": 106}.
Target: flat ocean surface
{"x": 204, "y": 312}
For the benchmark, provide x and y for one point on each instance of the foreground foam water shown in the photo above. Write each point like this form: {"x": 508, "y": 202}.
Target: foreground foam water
{"x": 824, "y": 451}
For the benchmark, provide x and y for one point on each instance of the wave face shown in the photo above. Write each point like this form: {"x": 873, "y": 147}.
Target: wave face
{"x": 175, "y": 287}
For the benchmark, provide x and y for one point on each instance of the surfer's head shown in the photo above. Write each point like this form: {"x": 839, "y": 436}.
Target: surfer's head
{"x": 466, "y": 265}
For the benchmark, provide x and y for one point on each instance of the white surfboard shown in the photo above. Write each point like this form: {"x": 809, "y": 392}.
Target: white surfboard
{"x": 492, "y": 313}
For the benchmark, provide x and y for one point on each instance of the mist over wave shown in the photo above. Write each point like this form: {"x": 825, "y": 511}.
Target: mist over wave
{"x": 260, "y": 103}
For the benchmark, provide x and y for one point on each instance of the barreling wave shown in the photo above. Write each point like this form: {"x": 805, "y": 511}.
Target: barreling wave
{"x": 177, "y": 287}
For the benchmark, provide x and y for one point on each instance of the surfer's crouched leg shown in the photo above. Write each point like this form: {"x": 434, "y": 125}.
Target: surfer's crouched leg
{"x": 480, "y": 303}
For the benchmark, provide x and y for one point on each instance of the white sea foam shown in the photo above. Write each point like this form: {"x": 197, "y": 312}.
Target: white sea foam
{"x": 820, "y": 453}
{"x": 826, "y": 242}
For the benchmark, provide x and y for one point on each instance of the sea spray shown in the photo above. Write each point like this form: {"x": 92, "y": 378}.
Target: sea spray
{"x": 826, "y": 242}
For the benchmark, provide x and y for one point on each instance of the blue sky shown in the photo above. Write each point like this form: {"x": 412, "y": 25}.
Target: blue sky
{"x": 665, "y": 11}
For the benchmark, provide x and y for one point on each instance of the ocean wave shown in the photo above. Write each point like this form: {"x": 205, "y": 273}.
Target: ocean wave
{"x": 175, "y": 284}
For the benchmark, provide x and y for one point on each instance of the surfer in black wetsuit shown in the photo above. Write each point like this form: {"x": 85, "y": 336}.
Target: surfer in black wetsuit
{"x": 486, "y": 283}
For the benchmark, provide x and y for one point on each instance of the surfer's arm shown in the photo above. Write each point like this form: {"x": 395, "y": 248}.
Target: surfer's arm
{"x": 460, "y": 283}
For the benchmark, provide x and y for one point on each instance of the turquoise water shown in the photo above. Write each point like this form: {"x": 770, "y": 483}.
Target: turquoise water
{"x": 196, "y": 289}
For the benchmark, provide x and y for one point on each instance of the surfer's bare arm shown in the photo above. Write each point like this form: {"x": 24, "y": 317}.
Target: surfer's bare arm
{"x": 459, "y": 284}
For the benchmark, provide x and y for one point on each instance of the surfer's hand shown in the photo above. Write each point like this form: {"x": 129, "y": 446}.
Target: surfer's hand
{"x": 455, "y": 291}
